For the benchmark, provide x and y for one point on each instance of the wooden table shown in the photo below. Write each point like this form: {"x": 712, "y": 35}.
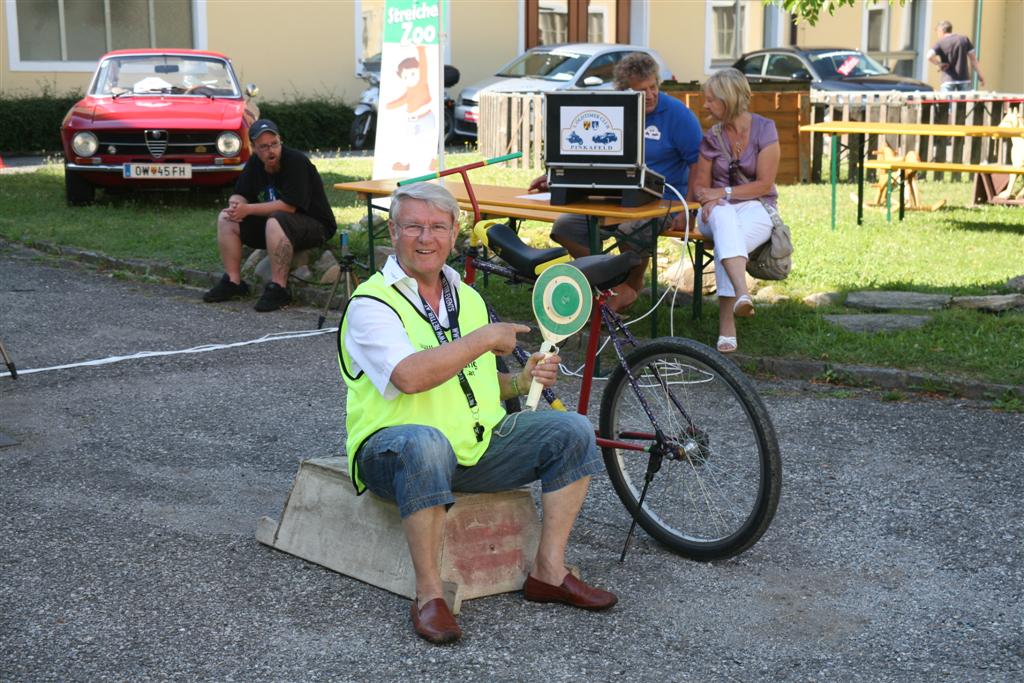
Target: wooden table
{"x": 498, "y": 200}
{"x": 860, "y": 129}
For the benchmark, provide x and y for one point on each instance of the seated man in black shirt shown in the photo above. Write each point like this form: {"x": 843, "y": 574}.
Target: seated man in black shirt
{"x": 279, "y": 205}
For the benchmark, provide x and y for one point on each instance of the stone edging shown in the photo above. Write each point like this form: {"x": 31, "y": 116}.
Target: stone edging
{"x": 872, "y": 377}
{"x": 786, "y": 368}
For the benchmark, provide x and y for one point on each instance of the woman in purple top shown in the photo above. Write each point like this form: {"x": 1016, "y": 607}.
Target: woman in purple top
{"x": 735, "y": 176}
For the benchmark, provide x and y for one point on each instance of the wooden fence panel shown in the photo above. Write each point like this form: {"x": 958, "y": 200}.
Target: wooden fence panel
{"x": 959, "y": 108}
{"x": 512, "y": 122}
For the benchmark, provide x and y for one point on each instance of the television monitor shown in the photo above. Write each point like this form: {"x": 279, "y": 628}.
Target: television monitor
{"x": 602, "y": 129}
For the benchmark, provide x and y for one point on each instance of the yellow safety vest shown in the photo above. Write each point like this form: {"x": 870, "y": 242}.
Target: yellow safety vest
{"x": 444, "y": 407}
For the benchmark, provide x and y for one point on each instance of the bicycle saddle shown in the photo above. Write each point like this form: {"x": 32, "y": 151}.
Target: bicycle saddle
{"x": 604, "y": 271}
{"x": 504, "y": 242}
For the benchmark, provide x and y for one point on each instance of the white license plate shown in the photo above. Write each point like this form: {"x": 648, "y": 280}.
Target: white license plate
{"x": 157, "y": 171}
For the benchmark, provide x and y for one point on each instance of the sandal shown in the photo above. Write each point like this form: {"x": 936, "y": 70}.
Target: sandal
{"x": 726, "y": 344}
{"x": 744, "y": 307}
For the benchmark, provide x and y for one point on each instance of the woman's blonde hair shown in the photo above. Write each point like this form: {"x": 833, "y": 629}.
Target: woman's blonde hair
{"x": 730, "y": 86}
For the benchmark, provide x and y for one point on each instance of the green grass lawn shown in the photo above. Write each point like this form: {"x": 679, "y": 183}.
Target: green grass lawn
{"x": 958, "y": 250}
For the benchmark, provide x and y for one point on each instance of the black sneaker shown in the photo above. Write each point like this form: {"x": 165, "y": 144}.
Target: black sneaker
{"x": 226, "y": 290}
{"x": 274, "y": 297}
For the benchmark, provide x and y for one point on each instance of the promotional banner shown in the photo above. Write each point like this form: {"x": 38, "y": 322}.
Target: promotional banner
{"x": 409, "y": 117}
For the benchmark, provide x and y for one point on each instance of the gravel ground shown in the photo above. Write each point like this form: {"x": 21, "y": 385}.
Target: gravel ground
{"x": 129, "y": 508}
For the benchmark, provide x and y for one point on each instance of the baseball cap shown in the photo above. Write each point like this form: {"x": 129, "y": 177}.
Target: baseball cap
{"x": 263, "y": 126}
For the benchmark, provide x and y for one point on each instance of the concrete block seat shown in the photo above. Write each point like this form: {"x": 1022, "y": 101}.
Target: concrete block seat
{"x": 490, "y": 539}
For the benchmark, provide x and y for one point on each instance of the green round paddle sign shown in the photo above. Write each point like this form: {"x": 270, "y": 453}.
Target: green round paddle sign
{"x": 562, "y": 301}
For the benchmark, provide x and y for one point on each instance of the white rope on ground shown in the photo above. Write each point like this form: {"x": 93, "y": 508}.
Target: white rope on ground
{"x": 272, "y": 337}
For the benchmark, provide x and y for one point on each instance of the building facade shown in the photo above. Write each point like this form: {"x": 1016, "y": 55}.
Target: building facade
{"x": 301, "y": 48}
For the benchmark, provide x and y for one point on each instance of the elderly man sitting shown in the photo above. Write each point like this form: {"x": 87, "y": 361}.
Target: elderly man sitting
{"x": 425, "y": 415}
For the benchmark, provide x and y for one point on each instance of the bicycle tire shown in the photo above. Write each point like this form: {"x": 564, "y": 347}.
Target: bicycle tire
{"x": 715, "y": 497}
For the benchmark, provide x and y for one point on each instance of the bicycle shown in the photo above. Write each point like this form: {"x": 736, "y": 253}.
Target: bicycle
{"x": 695, "y": 415}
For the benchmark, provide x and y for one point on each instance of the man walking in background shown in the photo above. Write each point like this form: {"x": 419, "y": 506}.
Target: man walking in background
{"x": 955, "y": 56}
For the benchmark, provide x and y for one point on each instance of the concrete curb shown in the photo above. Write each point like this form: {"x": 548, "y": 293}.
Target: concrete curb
{"x": 873, "y": 377}
{"x": 784, "y": 368}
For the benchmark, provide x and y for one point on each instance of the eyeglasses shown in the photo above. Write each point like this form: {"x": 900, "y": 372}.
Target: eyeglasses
{"x": 416, "y": 230}
{"x": 269, "y": 146}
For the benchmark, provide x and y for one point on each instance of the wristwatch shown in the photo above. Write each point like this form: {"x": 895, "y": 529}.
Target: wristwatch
{"x": 728, "y": 194}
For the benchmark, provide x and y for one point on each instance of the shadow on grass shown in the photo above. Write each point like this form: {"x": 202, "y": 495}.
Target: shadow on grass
{"x": 1014, "y": 223}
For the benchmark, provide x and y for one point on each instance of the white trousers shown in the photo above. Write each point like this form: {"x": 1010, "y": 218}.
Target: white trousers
{"x": 737, "y": 229}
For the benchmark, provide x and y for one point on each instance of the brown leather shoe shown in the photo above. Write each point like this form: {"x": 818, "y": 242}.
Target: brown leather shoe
{"x": 435, "y": 622}
{"x": 572, "y": 592}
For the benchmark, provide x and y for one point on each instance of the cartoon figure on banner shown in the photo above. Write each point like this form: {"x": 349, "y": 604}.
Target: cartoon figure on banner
{"x": 421, "y": 125}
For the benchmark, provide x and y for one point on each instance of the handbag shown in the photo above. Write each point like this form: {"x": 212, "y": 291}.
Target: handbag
{"x": 774, "y": 259}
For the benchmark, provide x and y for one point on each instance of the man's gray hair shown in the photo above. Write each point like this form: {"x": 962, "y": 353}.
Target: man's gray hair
{"x": 945, "y": 26}
{"x": 433, "y": 194}
{"x": 636, "y": 66}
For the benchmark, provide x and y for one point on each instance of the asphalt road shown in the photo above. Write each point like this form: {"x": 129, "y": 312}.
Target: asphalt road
{"x": 129, "y": 504}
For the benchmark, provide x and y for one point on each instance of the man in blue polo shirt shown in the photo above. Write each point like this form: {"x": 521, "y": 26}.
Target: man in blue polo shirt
{"x": 672, "y": 136}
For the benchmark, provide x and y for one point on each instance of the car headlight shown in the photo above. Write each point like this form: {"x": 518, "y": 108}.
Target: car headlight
{"x": 85, "y": 144}
{"x": 229, "y": 144}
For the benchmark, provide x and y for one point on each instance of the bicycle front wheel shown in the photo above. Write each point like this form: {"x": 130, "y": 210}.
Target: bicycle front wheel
{"x": 711, "y": 450}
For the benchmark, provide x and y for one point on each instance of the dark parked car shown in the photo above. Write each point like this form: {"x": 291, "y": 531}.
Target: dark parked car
{"x": 157, "y": 118}
{"x": 605, "y": 138}
{"x": 827, "y": 68}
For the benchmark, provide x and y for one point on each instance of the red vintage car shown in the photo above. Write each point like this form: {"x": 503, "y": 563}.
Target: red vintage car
{"x": 157, "y": 118}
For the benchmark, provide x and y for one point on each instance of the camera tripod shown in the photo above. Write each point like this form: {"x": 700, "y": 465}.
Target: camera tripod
{"x": 346, "y": 272}
{"x": 8, "y": 362}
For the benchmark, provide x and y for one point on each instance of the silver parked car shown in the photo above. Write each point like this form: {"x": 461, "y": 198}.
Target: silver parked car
{"x": 547, "y": 68}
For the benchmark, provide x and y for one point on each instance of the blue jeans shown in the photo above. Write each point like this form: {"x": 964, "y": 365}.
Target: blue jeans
{"x": 955, "y": 86}
{"x": 415, "y": 466}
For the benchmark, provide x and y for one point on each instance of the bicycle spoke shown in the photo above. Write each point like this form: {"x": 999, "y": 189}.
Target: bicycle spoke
{"x": 717, "y": 487}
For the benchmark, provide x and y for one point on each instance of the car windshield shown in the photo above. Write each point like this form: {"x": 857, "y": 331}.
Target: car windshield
{"x": 840, "y": 64}
{"x": 165, "y": 75}
{"x": 550, "y": 66}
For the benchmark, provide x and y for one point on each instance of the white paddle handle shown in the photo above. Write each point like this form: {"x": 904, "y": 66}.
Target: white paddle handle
{"x": 548, "y": 349}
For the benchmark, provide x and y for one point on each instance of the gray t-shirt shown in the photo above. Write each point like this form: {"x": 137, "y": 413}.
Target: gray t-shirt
{"x": 762, "y": 134}
{"x": 952, "y": 49}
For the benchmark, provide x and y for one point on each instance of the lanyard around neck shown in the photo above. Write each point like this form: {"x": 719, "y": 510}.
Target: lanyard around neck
{"x": 453, "y": 326}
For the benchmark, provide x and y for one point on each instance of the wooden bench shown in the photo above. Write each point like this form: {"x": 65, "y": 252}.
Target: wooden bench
{"x": 904, "y": 166}
{"x": 702, "y": 258}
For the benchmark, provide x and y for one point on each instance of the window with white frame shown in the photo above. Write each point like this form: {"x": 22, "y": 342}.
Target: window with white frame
{"x": 372, "y": 25}
{"x": 553, "y": 22}
{"x": 81, "y": 31}
{"x": 876, "y": 34}
{"x": 728, "y": 19}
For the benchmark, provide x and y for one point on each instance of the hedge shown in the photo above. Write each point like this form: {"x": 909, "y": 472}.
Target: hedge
{"x": 31, "y": 125}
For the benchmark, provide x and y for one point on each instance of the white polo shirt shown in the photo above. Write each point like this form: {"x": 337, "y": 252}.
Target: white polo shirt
{"x": 376, "y": 341}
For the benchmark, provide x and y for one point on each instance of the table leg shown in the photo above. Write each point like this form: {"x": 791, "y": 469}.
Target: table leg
{"x": 369, "y": 234}
{"x": 888, "y": 196}
{"x": 860, "y": 181}
{"x": 594, "y": 234}
{"x": 654, "y": 286}
{"x": 698, "y": 278}
{"x": 834, "y": 171}
{"x": 903, "y": 181}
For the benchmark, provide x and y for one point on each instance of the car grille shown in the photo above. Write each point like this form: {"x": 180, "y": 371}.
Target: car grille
{"x": 158, "y": 143}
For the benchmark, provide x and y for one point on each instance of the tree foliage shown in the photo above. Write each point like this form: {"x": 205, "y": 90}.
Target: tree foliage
{"x": 810, "y": 10}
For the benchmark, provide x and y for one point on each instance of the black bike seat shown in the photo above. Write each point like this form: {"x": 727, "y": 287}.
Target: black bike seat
{"x": 604, "y": 271}
{"x": 504, "y": 242}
